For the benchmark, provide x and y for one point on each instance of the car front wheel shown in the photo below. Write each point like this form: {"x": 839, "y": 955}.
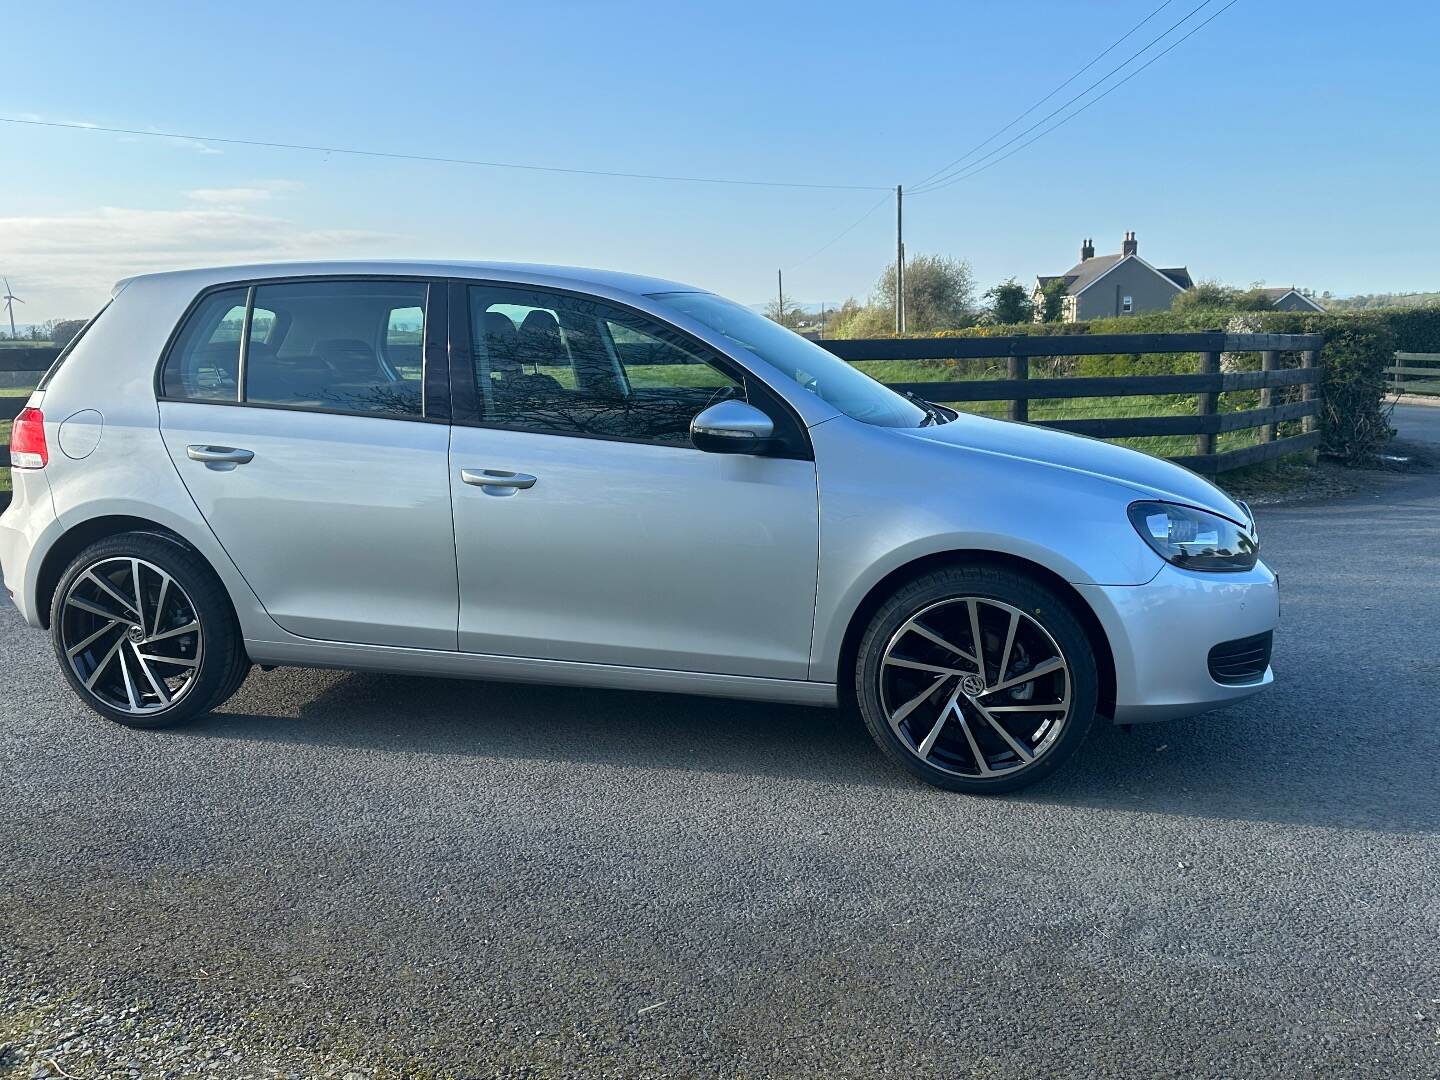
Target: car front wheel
{"x": 977, "y": 679}
{"x": 144, "y": 631}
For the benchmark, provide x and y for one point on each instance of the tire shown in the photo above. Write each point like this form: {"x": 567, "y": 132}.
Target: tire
{"x": 142, "y": 667}
{"x": 933, "y": 724}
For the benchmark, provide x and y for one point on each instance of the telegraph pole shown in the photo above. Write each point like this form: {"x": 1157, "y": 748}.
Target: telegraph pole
{"x": 899, "y": 259}
{"x": 780, "y": 295}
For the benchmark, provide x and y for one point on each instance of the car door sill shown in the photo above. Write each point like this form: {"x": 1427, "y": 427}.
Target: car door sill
{"x": 457, "y": 665}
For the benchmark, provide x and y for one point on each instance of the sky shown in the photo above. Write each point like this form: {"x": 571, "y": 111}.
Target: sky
{"x": 1287, "y": 142}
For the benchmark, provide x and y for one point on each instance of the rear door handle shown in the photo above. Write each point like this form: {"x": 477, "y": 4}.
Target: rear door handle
{"x": 498, "y": 478}
{"x": 230, "y": 455}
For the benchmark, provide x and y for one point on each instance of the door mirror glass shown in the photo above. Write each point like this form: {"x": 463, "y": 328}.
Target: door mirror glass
{"x": 732, "y": 427}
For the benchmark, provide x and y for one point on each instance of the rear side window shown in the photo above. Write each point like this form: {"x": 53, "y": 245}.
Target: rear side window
{"x": 204, "y": 363}
{"x": 332, "y": 346}
{"x": 338, "y": 345}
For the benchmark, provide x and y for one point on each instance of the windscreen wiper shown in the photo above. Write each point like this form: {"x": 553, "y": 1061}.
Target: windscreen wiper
{"x": 933, "y": 413}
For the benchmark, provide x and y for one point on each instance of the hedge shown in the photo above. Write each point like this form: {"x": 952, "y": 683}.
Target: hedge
{"x": 1354, "y": 417}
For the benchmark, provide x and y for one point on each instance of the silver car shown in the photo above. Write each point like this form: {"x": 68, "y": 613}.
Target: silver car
{"x": 546, "y": 474}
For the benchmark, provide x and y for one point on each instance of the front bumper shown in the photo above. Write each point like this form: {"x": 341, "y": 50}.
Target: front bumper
{"x": 1161, "y": 635}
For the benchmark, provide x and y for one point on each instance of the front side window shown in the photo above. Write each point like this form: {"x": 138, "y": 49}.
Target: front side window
{"x": 1127, "y": 304}
{"x": 824, "y": 374}
{"x": 571, "y": 365}
{"x": 342, "y": 346}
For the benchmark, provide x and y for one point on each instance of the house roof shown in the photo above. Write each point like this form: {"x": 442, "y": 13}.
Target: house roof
{"x": 1084, "y": 274}
{"x": 1275, "y": 295}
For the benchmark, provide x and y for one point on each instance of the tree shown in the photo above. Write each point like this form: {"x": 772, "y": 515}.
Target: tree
{"x": 789, "y": 315}
{"x": 856, "y": 320}
{"x": 1206, "y": 296}
{"x": 1010, "y": 303}
{"x": 939, "y": 294}
{"x": 1052, "y": 300}
{"x": 62, "y": 331}
{"x": 1216, "y": 296}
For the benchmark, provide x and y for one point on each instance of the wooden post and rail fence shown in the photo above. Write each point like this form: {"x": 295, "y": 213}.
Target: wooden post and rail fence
{"x": 21, "y": 367}
{"x": 1206, "y": 384}
{"x": 1414, "y": 373}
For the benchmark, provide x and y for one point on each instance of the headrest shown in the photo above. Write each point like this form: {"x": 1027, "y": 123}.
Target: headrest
{"x": 500, "y": 342}
{"x": 539, "y": 339}
{"x": 349, "y": 356}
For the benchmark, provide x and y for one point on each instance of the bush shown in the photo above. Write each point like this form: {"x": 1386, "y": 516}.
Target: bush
{"x": 1416, "y": 329}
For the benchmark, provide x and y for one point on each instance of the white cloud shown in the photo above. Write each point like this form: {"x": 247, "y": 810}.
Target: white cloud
{"x": 69, "y": 262}
{"x": 235, "y": 197}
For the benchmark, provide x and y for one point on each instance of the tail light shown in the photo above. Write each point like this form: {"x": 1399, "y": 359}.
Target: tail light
{"x": 27, "y": 440}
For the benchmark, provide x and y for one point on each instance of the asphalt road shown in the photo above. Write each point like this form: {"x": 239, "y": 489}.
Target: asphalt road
{"x": 1418, "y": 422}
{"x": 353, "y": 872}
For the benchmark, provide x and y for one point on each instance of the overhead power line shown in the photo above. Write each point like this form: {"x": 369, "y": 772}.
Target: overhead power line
{"x": 844, "y": 232}
{"x": 440, "y": 159}
{"x": 944, "y": 180}
{"x": 1093, "y": 61}
{"x": 979, "y": 168}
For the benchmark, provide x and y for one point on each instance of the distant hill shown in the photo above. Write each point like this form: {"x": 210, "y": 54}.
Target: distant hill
{"x": 1365, "y": 301}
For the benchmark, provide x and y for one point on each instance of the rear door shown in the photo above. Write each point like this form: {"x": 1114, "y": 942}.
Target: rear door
{"x": 309, "y": 423}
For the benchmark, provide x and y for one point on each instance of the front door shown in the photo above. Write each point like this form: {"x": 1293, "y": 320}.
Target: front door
{"x": 295, "y": 414}
{"x": 630, "y": 547}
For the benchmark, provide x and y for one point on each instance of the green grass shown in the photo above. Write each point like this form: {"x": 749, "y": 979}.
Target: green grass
{"x": 1093, "y": 408}
{"x": 9, "y": 391}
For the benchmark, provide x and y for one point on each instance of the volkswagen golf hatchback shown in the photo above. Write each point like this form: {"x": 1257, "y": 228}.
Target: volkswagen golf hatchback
{"x": 571, "y": 476}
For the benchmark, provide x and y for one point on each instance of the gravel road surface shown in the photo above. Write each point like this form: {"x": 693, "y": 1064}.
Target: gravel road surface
{"x": 362, "y": 876}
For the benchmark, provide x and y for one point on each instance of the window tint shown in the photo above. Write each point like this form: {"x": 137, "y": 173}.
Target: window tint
{"x": 575, "y": 366}
{"x": 337, "y": 345}
{"x": 204, "y": 364}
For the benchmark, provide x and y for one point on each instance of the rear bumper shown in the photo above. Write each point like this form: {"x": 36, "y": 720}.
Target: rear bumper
{"x": 27, "y": 529}
{"x": 1161, "y": 635}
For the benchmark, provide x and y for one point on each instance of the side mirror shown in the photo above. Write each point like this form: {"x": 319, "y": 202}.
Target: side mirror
{"x": 732, "y": 427}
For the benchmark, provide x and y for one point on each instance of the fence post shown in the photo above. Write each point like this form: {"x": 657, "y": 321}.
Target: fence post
{"x": 1205, "y": 404}
{"x": 1019, "y": 368}
{"x": 1310, "y": 359}
{"x": 1269, "y": 361}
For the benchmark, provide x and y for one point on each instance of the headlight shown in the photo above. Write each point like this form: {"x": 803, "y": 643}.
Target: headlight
{"x": 1193, "y": 538}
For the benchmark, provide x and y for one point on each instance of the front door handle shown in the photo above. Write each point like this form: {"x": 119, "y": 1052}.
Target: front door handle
{"x": 497, "y": 478}
{"x": 223, "y": 455}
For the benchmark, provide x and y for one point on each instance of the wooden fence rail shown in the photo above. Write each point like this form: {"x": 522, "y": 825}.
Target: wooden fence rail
{"x": 1415, "y": 372}
{"x": 1206, "y": 384}
{"x": 19, "y": 367}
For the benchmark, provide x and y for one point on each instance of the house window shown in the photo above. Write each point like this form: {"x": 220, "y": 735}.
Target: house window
{"x": 1127, "y": 305}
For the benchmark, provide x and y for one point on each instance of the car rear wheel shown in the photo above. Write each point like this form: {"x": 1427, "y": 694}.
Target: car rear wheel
{"x": 977, "y": 679}
{"x": 144, "y": 632}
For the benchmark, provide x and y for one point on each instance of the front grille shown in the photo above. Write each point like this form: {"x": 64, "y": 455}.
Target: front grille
{"x": 1242, "y": 660}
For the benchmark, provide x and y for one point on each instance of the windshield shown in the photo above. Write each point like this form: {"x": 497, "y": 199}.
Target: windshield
{"x": 851, "y": 391}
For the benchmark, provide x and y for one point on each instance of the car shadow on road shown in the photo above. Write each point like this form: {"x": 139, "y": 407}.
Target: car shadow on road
{"x": 1236, "y": 764}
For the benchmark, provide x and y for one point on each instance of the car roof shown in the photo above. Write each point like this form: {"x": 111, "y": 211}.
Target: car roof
{"x": 575, "y": 277}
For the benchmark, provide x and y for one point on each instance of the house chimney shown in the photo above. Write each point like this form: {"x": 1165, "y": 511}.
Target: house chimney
{"x": 1129, "y": 247}
{"x": 1087, "y": 250}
